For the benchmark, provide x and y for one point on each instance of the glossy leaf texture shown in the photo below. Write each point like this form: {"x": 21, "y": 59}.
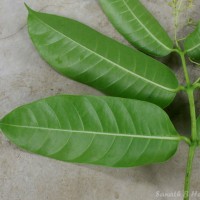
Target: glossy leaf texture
{"x": 192, "y": 45}
{"x": 106, "y": 131}
{"x": 198, "y": 129}
{"x": 138, "y": 26}
{"x": 83, "y": 54}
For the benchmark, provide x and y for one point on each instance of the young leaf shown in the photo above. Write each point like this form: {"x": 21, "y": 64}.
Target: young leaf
{"x": 138, "y": 26}
{"x": 192, "y": 45}
{"x": 96, "y": 130}
{"x": 83, "y": 54}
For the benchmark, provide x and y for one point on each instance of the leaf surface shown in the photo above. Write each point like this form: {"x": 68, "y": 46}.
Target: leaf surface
{"x": 192, "y": 45}
{"x": 95, "y": 130}
{"x": 83, "y": 54}
{"x": 138, "y": 26}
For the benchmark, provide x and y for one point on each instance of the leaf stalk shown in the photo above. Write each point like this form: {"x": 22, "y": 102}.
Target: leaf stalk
{"x": 185, "y": 70}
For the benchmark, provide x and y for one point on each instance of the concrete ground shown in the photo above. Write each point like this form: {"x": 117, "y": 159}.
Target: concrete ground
{"x": 25, "y": 77}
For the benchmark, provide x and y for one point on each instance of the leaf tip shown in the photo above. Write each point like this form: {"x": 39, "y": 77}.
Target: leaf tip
{"x": 28, "y": 8}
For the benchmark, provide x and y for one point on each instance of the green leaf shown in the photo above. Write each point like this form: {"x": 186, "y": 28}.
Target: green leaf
{"x": 138, "y": 26}
{"x": 198, "y": 129}
{"x": 83, "y": 54}
{"x": 192, "y": 45}
{"x": 95, "y": 130}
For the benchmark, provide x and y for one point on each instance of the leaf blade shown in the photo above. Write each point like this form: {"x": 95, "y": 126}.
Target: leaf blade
{"x": 87, "y": 56}
{"x": 95, "y": 130}
{"x": 143, "y": 31}
{"x": 192, "y": 44}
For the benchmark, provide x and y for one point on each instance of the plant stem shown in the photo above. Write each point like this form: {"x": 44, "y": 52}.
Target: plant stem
{"x": 187, "y": 78}
{"x": 189, "y": 172}
{"x": 190, "y": 92}
{"x": 177, "y": 8}
{"x": 196, "y": 63}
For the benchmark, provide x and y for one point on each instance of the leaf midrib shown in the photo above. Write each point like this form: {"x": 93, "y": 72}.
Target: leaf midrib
{"x": 169, "y": 138}
{"x": 147, "y": 30}
{"x": 110, "y": 61}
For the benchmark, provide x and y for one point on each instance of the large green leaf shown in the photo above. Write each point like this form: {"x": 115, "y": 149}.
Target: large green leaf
{"x": 138, "y": 26}
{"x": 83, "y": 54}
{"x": 192, "y": 44}
{"x": 96, "y": 130}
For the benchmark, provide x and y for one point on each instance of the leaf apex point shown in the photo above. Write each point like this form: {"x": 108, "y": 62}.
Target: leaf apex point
{"x": 28, "y": 8}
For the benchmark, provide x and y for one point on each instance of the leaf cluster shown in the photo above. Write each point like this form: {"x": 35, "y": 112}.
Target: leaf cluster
{"x": 129, "y": 128}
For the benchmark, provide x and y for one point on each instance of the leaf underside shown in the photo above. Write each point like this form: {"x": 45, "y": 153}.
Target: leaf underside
{"x": 83, "y": 54}
{"x": 192, "y": 45}
{"x": 138, "y": 26}
{"x": 95, "y": 130}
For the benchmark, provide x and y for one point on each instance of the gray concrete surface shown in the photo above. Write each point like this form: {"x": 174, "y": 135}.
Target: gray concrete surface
{"x": 25, "y": 77}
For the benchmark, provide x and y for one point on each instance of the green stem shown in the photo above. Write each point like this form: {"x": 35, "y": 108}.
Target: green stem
{"x": 187, "y": 78}
{"x": 177, "y": 9}
{"x": 189, "y": 172}
{"x": 186, "y": 140}
{"x": 190, "y": 92}
{"x": 196, "y": 63}
{"x": 196, "y": 84}
{"x": 197, "y": 81}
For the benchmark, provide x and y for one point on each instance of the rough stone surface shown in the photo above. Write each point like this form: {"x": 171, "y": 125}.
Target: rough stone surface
{"x": 25, "y": 77}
